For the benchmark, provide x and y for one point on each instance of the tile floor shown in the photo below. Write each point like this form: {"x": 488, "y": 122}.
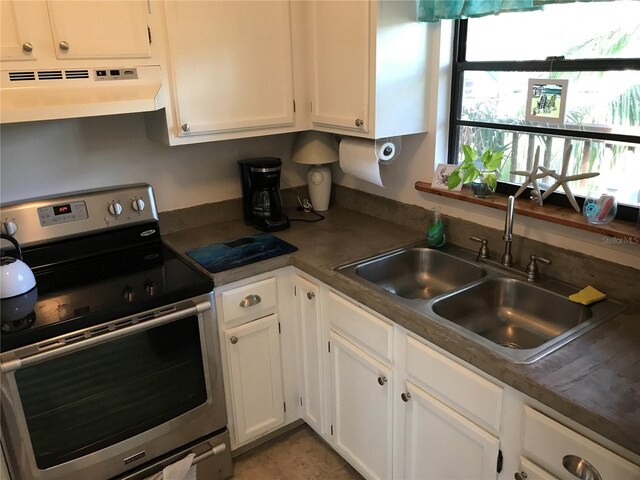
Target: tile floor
{"x": 296, "y": 455}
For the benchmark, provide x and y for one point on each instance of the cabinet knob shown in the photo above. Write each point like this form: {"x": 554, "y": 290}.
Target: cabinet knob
{"x": 405, "y": 396}
{"x": 520, "y": 475}
{"x": 382, "y": 380}
{"x": 128, "y": 294}
{"x": 64, "y": 46}
{"x": 234, "y": 339}
{"x": 250, "y": 300}
{"x": 27, "y": 47}
{"x": 186, "y": 127}
{"x": 359, "y": 122}
{"x": 311, "y": 295}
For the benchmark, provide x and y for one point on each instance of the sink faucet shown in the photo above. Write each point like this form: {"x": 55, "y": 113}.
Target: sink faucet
{"x": 507, "y": 259}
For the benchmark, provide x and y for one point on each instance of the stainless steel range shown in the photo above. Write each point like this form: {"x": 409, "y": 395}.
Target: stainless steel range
{"x": 114, "y": 370}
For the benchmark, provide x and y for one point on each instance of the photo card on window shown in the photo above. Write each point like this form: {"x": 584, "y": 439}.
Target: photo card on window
{"x": 546, "y": 100}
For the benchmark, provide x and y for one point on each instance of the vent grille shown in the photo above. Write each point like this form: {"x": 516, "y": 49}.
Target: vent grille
{"x": 50, "y": 75}
{"x": 71, "y": 74}
{"x": 21, "y": 76}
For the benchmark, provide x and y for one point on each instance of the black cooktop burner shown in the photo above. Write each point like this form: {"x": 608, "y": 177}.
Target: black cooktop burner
{"x": 87, "y": 292}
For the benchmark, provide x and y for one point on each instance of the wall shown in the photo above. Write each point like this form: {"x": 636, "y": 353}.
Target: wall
{"x": 44, "y": 158}
{"x": 420, "y": 153}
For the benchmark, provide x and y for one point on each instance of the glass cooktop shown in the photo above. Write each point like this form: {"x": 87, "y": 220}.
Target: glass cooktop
{"x": 87, "y": 292}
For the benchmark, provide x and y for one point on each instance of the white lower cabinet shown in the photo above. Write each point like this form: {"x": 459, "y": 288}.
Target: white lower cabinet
{"x": 567, "y": 454}
{"x": 392, "y": 404}
{"x": 441, "y": 444}
{"x": 256, "y": 377}
{"x": 362, "y": 394}
{"x": 307, "y": 305}
{"x": 531, "y": 471}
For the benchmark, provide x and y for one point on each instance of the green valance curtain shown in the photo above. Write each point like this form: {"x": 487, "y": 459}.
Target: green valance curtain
{"x": 435, "y": 10}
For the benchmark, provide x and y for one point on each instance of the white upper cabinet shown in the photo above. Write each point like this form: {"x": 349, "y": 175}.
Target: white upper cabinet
{"x": 99, "y": 29}
{"x": 16, "y": 31}
{"x": 340, "y": 63}
{"x": 231, "y": 68}
{"x": 60, "y": 30}
{"x": 368, "y": 68}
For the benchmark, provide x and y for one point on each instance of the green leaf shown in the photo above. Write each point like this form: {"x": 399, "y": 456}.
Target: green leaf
{"x": 470, "y": 154}
{"x": 494, "y": 160}
{"x": 470, "y": 174}
{"x": 454, "y": 180}
{"x": 491, "y": 180}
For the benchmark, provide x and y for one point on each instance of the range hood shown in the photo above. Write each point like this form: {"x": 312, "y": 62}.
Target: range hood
{"x": 32, "y": 95}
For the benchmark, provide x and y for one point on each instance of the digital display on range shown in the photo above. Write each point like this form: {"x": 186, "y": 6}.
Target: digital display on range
{"x": 62, "y": 213}
{"x": 61, "y": 209}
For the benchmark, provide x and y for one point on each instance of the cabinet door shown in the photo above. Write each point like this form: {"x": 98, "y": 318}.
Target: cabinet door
{"x": 441, "y": 444}
{"x": 256, "y": 377}
{"x": 99, "y": 29}
{"x": 15, "y": 31}
{"x": 308, "y": 315}
{"x": 232, "y": 65}
{"x": 531, "y": 471}
{"x": 341, "y": 57}
{"x": 362, "y": 409}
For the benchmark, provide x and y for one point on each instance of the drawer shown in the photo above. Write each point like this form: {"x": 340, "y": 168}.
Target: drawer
{"x": 359, "y": 326}
{"x": 548, "y": 442}
{"x": 466, "y": 392}
{"x": 249, "y": 301}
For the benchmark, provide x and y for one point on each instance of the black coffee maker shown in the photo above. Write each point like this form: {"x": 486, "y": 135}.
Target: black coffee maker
{"x": 261, "y": 203}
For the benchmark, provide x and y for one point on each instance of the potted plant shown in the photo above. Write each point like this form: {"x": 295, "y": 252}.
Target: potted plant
{"x": 482, "y": 171}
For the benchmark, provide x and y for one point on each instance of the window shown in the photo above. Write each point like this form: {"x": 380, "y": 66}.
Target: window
{"x": 595, "y": 46}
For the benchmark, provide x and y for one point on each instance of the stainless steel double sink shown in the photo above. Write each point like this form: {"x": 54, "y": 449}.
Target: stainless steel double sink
{"x": 521, "y": 320}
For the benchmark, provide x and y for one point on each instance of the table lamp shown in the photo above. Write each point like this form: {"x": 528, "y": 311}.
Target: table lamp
{"x": 316, "y": 149}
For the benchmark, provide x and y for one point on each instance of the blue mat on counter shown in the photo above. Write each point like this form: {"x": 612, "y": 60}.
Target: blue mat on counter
{"x": 219, "y": 257}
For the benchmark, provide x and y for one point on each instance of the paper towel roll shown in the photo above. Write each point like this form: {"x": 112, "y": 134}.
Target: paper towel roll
{"x": 362, "y": 158}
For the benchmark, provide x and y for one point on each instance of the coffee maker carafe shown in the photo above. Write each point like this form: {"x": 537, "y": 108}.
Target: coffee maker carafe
{"x": 261, "y": 203}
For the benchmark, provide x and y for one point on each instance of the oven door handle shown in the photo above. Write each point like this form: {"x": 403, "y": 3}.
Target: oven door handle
{"x": 17, "y": 363}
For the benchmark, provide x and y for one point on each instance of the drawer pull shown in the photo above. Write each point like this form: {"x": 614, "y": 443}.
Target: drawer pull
{"x": 382, "y": 380}
{"x": 250, "y": 300}
{"x": 580, "y": 468}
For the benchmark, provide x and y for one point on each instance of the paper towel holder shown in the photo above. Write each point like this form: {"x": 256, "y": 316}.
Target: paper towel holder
{"x": 317, "y": 149}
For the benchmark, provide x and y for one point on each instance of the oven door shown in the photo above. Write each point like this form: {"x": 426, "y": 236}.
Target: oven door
{"x": 99, "y": 402}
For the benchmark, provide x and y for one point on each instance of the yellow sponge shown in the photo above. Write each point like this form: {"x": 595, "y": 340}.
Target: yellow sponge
{"x": 587, "y": 296}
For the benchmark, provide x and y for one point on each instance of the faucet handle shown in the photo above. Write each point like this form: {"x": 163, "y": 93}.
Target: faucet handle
{"x": 484, "y": 249}
{"x": 532, "y": 269}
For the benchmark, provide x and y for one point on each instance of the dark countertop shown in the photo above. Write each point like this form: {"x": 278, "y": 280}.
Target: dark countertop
{"x": 594, "y": 380}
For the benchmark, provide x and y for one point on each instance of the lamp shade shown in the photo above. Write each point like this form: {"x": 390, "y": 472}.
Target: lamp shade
{"x": 314, "y": 148}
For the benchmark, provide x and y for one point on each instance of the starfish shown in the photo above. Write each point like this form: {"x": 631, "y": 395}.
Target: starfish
{"x": 562, "y": 179}
{"x": 531, "y": 177}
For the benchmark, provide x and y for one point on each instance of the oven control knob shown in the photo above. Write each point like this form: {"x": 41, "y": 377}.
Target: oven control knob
{"x": 138, "y": 205}
{"x": 150, "y": 288}
{"x": 9, "y": 227}
{"x": 128, "y": 294}
{"x": 115, "y": 208}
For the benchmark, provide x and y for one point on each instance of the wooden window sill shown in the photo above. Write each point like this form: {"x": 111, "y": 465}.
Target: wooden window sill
{"x": 550, "y": 213}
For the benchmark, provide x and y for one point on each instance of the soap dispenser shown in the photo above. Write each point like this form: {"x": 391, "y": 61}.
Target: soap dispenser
{"x": 435, "y": 232}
